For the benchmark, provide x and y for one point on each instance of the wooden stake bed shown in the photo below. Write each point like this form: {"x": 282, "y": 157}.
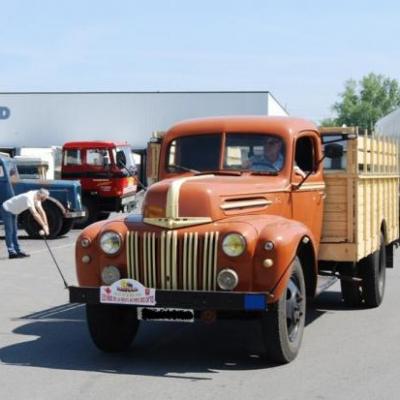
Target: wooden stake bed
{"x": 362, "y": 198}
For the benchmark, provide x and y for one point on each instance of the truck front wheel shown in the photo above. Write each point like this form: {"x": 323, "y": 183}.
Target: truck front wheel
{"x": 66, "y": 226}
{"x": 112, "y": 327}
{"x": 283, "y": 324}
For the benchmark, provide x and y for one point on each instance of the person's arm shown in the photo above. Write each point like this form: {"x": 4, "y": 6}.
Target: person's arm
{"x": 38, "y": 218}
{"x": 298, "y": 171}
{"x": 42, "y": 213}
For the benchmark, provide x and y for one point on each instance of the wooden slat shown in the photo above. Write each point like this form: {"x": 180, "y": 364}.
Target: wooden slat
{"x": 360, "y": 199}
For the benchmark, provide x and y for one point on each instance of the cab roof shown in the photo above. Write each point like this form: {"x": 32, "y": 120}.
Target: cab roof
{"x": 285, "y": 126}
{"x": 93, "y": 144}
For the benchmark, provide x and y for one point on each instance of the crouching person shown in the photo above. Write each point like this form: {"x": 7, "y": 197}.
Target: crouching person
{"x": 14, "y": 206}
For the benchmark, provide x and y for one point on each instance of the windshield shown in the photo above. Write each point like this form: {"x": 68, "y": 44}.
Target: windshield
{"x": 124, "y": 159}
{"x": 194, "y": 153}
{"x": 243, "y": 151}
{"x": 254, "y": 152}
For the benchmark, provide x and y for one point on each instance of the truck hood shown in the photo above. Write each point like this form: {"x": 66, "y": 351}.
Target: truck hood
{"x": 33, "y": 184}
{"x": 193, "y": 200}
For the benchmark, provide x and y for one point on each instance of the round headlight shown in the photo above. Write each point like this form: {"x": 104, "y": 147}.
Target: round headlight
{"x": 227, "y": 279}
{"x": 110, "y": 274}
{"x": 110, "y": 242}
{"x": 234, "y": 244}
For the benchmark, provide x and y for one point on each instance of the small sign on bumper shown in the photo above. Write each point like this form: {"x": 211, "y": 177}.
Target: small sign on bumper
{"x": 129, "y": 292}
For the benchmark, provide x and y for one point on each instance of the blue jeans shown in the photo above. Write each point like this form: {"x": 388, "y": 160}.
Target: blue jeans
{"x": 11, "y": 230}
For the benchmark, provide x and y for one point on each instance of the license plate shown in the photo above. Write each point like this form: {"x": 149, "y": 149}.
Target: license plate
{"x": 165, "y": 314}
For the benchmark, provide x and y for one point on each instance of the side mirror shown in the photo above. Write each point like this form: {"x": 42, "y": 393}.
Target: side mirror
{"x": 120, "y": 164}
{"x": 333, "y": 150}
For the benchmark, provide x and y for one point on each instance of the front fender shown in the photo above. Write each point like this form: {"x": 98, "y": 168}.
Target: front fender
{"x": 287, "y": 236}
{"x": 57, "y": 203}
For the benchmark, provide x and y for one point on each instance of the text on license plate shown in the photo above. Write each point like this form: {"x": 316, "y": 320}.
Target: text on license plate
{"x": 165, "y": 314}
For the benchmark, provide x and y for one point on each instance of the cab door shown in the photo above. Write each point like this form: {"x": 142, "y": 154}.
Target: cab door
{"x": 308, "y": 195}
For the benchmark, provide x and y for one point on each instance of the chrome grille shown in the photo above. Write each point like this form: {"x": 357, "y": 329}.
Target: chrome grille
{"x": 171, "y": 261}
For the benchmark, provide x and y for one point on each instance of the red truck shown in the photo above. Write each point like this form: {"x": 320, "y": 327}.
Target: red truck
{"x": 107, "y": 174}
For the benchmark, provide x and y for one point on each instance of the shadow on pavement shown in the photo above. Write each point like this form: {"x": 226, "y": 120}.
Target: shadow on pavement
{"x": 60, "y": 340}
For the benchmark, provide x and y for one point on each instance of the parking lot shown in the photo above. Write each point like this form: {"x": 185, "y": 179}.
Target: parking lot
{"x": 46, "y": 352}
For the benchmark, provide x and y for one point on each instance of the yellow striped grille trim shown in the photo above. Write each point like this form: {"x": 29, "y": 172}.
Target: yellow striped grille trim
{"x": 169, "y": 261}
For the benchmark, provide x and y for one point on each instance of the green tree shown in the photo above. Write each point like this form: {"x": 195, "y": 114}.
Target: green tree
{"x": 363, "y": 103}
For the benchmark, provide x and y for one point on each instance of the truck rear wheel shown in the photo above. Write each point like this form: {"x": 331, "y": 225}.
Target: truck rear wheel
{"x": 112, "y": 327}
{"x": 283, "y": 324}
{"x": 351, "y": 291}
{"x": 374, "y": 276}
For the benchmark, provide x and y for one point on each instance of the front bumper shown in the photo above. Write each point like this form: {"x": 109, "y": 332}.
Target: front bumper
{"x": 74, "y": 214}
{"x": 196, "y": 300}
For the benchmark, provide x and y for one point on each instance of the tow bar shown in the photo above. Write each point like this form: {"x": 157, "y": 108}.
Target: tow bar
{"x": 42, "y": 234}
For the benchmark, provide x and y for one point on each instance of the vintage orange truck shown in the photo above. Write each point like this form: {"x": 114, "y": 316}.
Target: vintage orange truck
{"x": 223, "y": 232}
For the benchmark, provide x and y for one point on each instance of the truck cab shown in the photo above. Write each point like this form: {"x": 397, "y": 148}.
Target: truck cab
{"x": 107, "y": 174}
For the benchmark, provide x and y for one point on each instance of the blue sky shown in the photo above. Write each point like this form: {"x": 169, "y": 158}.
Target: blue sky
{"x": 301, "y": 51}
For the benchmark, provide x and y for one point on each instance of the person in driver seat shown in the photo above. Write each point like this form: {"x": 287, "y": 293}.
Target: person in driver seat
{"x": 271, "y": 159}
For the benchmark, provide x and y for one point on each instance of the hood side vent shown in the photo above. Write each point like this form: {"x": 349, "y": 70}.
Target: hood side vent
{"x": 240, "y": 203}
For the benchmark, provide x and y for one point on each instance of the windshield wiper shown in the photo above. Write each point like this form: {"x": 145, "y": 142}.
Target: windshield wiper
{"x": 219, "y": 172}
{"x": 182, "y": 168}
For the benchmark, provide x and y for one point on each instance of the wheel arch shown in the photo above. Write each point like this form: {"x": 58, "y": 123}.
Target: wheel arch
{"x": 57, "y": 203}
{"x": 308, "y": 260}
{"x": 292, "y": 239}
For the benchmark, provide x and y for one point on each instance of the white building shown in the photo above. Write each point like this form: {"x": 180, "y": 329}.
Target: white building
{"x": 389, "y": 125}
{"x": 48, "y": 119}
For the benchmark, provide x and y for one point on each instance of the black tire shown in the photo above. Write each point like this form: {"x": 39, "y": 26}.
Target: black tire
{"x": 66, "y": 226}
{"x": 374, "y": 276}
{"x": 351, "y": 293}
{"x": 90, "y": 215}
{"x": 54, "y": 218}
{"x": 101, "y": 216}
{"x": 283, "y": 324}
{"x": 112, "y": 327}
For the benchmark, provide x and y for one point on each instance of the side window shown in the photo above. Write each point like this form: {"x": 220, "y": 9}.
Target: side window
{"x": 305, "y": 154}
{"x": 95, "y": 156}
{"x": 72, "y": 157}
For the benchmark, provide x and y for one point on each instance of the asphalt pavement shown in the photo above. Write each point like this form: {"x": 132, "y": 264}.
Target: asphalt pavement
{"x": 46, "y": 352}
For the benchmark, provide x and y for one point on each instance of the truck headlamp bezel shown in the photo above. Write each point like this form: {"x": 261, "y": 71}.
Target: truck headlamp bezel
{"x": 234, "y": 244}
{"x": 110, "y": 242}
